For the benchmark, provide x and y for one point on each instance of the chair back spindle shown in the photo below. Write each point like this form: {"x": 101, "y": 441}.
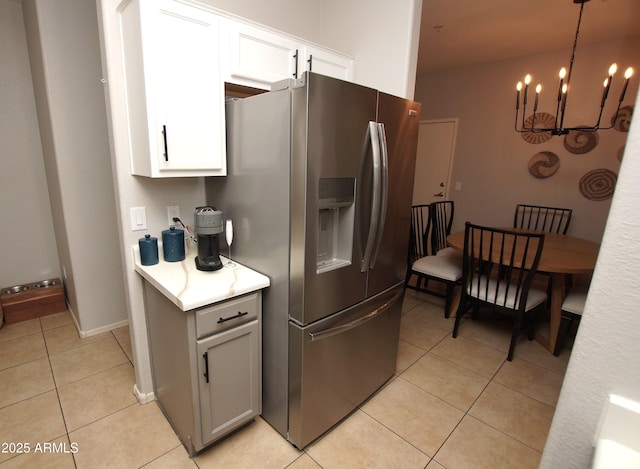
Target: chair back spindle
{"x": 441, "y": 221}
{"x": 541, "y": 218}
{"x": 498, "y": 270}
{"x": 444, "y": 270}
{"x": 420, "y": 226}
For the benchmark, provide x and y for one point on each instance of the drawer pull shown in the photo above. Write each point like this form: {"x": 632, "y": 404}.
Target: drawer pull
{"x": 239, "y": 315}
{"x": 164, "y": 138}
{"x": 205, "y": 355}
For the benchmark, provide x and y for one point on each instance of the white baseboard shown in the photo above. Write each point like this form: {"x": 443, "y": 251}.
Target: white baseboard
{"x": 100, "y": 330}
{"x": 143, "y": 398}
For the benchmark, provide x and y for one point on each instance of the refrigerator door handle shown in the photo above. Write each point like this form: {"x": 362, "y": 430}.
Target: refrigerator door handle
{"x": 384, "y": 190}
{"x": 315, "y": 336}
{"x": 375, "y": 196}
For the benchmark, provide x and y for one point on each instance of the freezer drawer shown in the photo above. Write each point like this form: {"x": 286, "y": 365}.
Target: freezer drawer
{"x": 339, "y": 362}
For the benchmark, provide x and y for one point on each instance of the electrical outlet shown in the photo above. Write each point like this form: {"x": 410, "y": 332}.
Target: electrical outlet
{"x": 173, "y": 211}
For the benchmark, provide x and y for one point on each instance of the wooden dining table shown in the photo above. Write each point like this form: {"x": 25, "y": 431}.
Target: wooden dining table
{"x": 562, "y": 256}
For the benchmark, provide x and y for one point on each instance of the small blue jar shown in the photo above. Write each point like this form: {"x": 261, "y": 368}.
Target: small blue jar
{"x": 148, "y": 250}
{"x": 173, "y": 244}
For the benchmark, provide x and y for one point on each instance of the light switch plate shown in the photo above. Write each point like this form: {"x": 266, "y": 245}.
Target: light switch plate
{"x": 138, "y": 218}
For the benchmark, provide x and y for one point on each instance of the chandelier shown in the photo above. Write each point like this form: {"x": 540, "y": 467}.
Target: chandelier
{"x": 563, "y": 91}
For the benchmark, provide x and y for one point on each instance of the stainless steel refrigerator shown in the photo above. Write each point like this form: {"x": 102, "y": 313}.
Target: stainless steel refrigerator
{"x": 319, "y": 188}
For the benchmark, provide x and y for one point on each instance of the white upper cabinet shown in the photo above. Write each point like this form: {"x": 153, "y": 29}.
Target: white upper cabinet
{"x": 174, "y": 89}
{"x": 176, "y": 57}
{"x": 329, "y": 63}
{"x": 260, "y": 56}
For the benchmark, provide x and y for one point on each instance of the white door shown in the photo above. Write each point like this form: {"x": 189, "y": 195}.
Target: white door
{"x": 434, "y": 160}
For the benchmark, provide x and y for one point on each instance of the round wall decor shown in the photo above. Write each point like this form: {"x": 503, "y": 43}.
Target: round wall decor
{"x": 544, "y": 164}
{"x": 598, "y": 184}
{"x": 623, "y": 121}
{"x": 542, "y": 120}
{"x": 579, "y": 142}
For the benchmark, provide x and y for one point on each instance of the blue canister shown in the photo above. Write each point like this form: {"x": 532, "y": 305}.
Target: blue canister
{"x": 148, "y": 250}
{"x": 173, "y": 244}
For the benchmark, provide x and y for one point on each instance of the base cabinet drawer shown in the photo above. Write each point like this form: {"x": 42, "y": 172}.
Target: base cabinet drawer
{"x": 225, "y": 315}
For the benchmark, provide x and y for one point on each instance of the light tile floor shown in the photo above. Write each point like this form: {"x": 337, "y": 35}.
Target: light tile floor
{"x": 454, "y": 403}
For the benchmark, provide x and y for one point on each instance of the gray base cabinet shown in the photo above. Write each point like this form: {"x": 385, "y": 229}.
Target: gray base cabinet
{"x": 207, "y": 365}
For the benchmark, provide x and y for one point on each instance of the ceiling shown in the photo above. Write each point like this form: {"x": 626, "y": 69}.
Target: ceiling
{"x": 456, "y": 33}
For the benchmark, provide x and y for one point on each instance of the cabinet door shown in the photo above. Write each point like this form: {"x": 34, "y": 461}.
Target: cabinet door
{"x": 173, "y": 89}
{"x": 190, "y": 122}
{"x": 326, "y": 62}
{"x": 230, "y": 379}
{"x": 259, "y": 57}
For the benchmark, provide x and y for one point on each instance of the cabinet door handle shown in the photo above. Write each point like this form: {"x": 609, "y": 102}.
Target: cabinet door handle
{"x": 205, "y": 355}
{"x": 164, "y": 137}
{"x": 295, "y": 56}
{"x": 310, "y": 62}
{"x": 239, "y": 315}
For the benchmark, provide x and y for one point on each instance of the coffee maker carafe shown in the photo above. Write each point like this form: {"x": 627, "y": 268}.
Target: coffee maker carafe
{"x": 208, "y": 222}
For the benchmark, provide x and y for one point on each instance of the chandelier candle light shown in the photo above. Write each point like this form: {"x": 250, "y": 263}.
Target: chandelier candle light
{"x": 563, "y": 88}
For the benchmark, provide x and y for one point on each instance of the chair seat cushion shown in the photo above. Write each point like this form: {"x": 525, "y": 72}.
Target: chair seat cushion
{"x": 575, "y": 299}
{"x": 439, "y": 266}
{"x": 450, "y": 252}
{"x": 489, "y": 294}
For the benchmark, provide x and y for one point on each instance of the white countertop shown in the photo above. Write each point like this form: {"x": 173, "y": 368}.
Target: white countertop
{"x": 189, "y": 288}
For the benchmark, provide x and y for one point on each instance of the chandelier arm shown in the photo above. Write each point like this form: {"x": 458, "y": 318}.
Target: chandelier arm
{"x": 613, "y": 121}
{"x": 597, "y": 126}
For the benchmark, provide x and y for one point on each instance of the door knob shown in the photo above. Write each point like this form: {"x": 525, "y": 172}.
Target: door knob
{"x": 439, "y": 194}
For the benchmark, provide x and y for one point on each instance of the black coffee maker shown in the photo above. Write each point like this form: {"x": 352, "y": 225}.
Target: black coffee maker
{"x": 208, "y": 222}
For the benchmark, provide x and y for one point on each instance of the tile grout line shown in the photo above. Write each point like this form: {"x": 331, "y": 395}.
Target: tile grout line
{"x": 55, "y": 385}
{"x": 466, "y": 413}
{"x": 394, "y": 378}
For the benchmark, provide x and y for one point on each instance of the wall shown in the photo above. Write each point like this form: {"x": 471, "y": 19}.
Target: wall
{"x": 301, "y": 19}
{"x": 65, "y": 63}
{"x": 491, "y": 160}
{"x": 27, "y": 242}
{"x": 606, "y": 355}
{"x": 383, "y": 35}
{"x": 292, "y": 16}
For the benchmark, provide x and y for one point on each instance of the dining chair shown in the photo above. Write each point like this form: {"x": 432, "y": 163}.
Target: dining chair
{"x": 497, "y": 272}
{"x": 540, "y": 218}
{"x": 441, "y": 221}
{"x": 443, "y": 269}
{"x": 572, "y": 308}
